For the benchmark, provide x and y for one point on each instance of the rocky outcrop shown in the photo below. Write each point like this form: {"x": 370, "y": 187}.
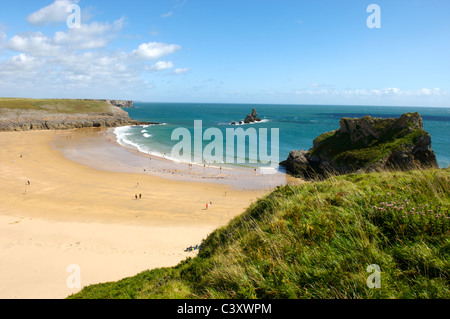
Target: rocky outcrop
{"x": 120, "y": 103}
{"x": 22, "y": 120}
{"x": 251, "y": 118}
{"x": 365, "y": 144}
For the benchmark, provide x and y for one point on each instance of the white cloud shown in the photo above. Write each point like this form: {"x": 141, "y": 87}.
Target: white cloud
{"x": 430, "y": 92}
{"x": 424, "y": 91}
{"x": 34, "y": 43}
{"x": 2, "y": 39}
{"x": 88, "y": 36}
{"x": 155, "y": 50}
{"x": 76, "y": 62}
{"x": 386, "y": 92}
{"x": 179, "y": 4}
{"x": 55, "y": 12}
{"x": 160, "y": 65}
{"x": 21, "y": 64}
{"x": 319, "y": 85}
{"x": 181, "y": 71}
{"x": 166, "y": 15}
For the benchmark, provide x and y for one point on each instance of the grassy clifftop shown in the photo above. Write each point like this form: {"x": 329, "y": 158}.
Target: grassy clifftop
{"x": 18, "y": 114}
{"x": 68, "y": 106}
{"x": 316, "y": 241}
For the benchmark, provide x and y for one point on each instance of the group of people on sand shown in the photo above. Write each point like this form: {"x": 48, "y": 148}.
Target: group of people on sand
{"x": 136, "y": 196}
{"x": 28, "y": 183}
{"x": 208, "y": 204}
{"x": 192, "y": 248}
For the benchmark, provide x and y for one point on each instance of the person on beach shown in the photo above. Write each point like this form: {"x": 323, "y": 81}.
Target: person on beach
{"x": 135, "y": 196}
{"x": 140, "y": 196}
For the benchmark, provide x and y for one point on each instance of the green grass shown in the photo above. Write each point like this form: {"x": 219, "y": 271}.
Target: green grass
{"x": 339, "y": 147}
{"x": 316, "y": 241}
{"x": 379, "y": 149}
{"x": 55, "y": 105}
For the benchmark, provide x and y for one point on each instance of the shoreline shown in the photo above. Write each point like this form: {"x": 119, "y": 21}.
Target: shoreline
{"x": 110, "y": 155}
{"x": 71, "y": 213}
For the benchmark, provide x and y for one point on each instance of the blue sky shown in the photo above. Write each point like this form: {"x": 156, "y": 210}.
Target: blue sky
{"x": 294, "y": 52}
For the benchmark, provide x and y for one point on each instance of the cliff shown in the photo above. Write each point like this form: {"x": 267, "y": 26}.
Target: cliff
{"x": 366, "y": 144}
{"x": 30, "y": 114}
{"x": 120, "y": 103}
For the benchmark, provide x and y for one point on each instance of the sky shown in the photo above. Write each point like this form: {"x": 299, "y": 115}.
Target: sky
{"x": 339, "y": 52}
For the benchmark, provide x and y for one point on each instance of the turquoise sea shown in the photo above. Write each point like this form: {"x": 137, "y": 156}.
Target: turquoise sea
{"x": 298, "y": 125}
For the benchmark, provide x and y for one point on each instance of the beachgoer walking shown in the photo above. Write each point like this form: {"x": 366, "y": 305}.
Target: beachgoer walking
{"x": 135, "y": 196}
{"x": 140, "y": 196}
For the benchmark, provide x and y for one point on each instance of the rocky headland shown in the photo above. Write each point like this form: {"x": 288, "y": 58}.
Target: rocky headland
{"x": 21, "y": 119}
{"x": 365, "y": 144}
{"x": 120, "y": 103}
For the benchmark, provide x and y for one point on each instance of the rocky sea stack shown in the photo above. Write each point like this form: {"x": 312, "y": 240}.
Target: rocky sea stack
{"x": 251, "y": 118}
{"x": 365, "y": 144}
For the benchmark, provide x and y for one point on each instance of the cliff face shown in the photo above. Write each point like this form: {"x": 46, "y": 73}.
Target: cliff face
{"x": 120, "y": 103}
{"x": 368, "y": 144}
{"x": 22, "y": 120}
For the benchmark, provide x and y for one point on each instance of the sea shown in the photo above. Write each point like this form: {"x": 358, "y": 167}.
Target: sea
{"x": 283, "y": 128}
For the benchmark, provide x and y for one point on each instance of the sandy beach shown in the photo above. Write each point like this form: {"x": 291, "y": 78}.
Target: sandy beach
{"x": 57, "y": 212}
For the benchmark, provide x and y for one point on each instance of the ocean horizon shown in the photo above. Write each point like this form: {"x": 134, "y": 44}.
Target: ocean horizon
{"x": 298, "y": 125}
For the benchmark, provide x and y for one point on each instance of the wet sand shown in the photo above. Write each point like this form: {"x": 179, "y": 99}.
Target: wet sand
{"x": 98, "y": 148}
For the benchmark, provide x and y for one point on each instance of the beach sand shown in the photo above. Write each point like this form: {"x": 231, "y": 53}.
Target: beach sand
{"x": 75, "y": 214}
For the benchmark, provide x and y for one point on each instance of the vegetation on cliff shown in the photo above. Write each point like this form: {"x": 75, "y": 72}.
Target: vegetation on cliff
{"x": 316, "y": 240}
{"x": 67, "y": 106}
{"x": 367, "y": 144}
{"x": 17, "y": 114}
